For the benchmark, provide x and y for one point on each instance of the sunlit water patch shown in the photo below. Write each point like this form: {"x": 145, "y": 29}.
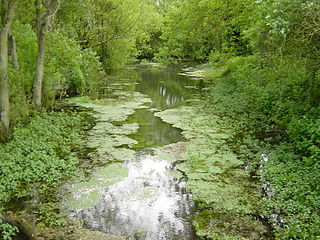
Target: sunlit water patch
{"x": 148, "y": 204}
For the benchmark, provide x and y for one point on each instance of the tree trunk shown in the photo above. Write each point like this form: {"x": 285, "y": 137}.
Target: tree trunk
{"x": 43, "y": 23}
{"x": 6, "y": 19}
{"x": 37, "y": 86}
{"x": 13, "y": 51}
{"x": 5, "y": 105}
{"x": 25, "y": 226}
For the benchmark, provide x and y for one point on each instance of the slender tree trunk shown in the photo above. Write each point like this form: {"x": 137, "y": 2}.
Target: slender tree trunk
{"x": 43, "y": 24}
{"x": 13, "y": 51}
{"x": 7, "y": 15}
{"x": 5, "y": 105}
{"x": 37, "y": 86}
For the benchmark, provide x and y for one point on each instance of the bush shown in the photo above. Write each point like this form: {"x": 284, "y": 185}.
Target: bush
{"x": 296, "y": 198}
{"x": 68, "y": 70}
{"x": 63, "y": 65}
{"x": 92, "y": 71}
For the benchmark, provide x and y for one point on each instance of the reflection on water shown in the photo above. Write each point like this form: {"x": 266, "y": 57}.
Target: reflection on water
{"x": 166, "y": 88}
{"x": 148, "y": 204}
{"x": 170, "y": 100}
{"x": 152, "y": 130}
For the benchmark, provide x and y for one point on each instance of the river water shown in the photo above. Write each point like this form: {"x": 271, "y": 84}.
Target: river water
{"x": 149, "y": 203}
{"x": 167, "y": 88}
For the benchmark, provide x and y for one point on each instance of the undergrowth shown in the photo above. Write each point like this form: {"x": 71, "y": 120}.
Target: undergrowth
{"x": 273, "y": 108}
{"x": 34, "y": 163}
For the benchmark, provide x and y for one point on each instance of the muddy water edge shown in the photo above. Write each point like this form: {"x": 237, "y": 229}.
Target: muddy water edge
{"x": 152, "y": 139}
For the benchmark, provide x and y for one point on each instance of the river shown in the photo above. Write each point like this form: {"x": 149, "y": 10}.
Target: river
{"x": 149, "y": 203}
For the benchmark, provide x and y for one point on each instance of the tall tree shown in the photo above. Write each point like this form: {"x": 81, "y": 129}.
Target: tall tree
{"x": 44, "y": 20}
{"x": 7, "y": 10}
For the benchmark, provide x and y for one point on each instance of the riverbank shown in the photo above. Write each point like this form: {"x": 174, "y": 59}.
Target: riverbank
{"x": 36, "y": 161}
{"x": 277, "y": 151}
{"x": 43, "y": 157}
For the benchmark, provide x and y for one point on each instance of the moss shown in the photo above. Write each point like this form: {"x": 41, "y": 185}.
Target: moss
{"x": 176, "y": 174}
{"x": 179, "y": 118}
{"x": 140, "y": 235}
{"x": 122, "y": 154}
{"x": 75, "y": 230}
{"x": 223, "y": 225}
{"x": 111, "y": 142}
{"x": 147, "y": 192}
{"x": 166, "y": 157}
{"x": 109, "y": 128}
{"x": 113, "y": 112}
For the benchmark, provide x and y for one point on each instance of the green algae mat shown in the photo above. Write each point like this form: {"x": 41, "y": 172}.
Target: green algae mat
{"x": 87, "y": 194}
{"x": 226, "y": 197}
{"x": 111, "y": 143}
{"x": 110, "y": 139}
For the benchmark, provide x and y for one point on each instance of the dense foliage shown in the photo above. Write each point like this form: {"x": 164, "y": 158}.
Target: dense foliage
{"x": 68, "y": 70}
{"x": 117, "y": 30}
{"x": 270, "y": 110}
{"x": 38, "y": 154}
{"x": 82, "y": 41}
{"x": 196, "y": 30}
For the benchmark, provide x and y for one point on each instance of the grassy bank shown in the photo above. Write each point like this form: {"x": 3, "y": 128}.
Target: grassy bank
{"x": 272, "y": 108}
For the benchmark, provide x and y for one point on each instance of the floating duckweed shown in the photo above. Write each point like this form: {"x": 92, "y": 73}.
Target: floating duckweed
{"x": 106, "y": 136}
{"x": 215, "y": 176}
{"x": 87, "y": 194}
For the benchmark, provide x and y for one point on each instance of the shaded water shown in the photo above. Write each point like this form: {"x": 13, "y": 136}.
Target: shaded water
{"x": 152, "y": 130}
{"x": 150, "y": 203}
{"x": 166, "y": 89}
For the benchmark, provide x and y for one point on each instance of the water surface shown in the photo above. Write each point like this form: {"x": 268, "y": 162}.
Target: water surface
{"x": 149, "y": 203}
{"x": 166, "y": 88}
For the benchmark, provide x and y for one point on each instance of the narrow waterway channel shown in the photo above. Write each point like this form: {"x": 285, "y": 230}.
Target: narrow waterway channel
{"x": 149, "y": 202}
{"x": 166, "y": 88}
